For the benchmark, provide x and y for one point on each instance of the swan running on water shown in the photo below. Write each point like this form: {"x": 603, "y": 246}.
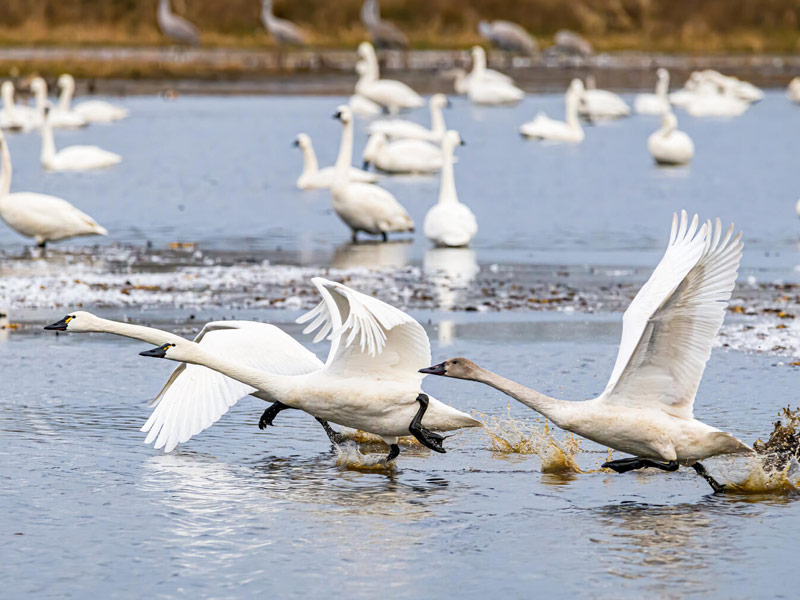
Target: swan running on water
{"x": 370, "y": 381}
{"x": 667, "y": 334}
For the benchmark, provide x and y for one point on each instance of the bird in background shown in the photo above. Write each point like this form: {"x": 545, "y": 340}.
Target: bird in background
{"x": 384, "y": 34}
{"x": 175, "y": 27}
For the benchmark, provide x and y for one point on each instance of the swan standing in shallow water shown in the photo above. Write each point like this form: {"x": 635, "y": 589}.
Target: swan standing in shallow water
{"x": 668, "y": 145}
{"x": 194, "y": 398}
{"x": 314, "y": 178}
{"x": 393, "y": 95}
{"x": 402, "y": 156}
{"x": 448, "y": 222}
{"x": 73, "y": 158}
{"x": 543, "y": 127}
{"x": 667, "y": 335}
{"x": 40, "y": 216}
{"x": 15, "y": 117}
{"x": 658, "y": 103}
{"x": 93, "y": 111}
{"x": 400, "y": 128}
{"x": 370, "y": 381}
{"x": 59, "y": 119}
{"x": 363, "y": 206}
{"x": 489, "y": 90}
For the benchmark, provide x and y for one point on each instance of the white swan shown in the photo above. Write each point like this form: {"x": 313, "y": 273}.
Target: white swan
{"x": 314, "y": 178}
{"x": 658, "y": 103}
{"x": 73, "y": 158}
{"x": 668, "y": 145}
{"x": 448, "y": 222}
{"x": 399, "y": 128}
{"x": 360, "y": 105}
{"x": 544, "y": 128}
{"x": 601, "y": 104}
{"x": 42, "y": 217}
{"x": 489, "y": 90}
{"x": 363, "y": 206}
{"x": 714, "y": 104}
{"x": 93, "y": 111}
{"x": 797, "y": 208}
{"x": 370, "y": 381}
{"x": 733, "y": 86}
{"x": 794, "y": 90}
{"x": 194, "y": 398}
{"x": 394, "y": 95}
{"x": 59, "y": 119}
{"x": 15, "y": 117}
{"x": 667, "y": 335}
{"x": 402, "y": 156}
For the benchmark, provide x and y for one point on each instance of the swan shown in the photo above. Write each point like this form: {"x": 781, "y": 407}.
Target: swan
{"x": 361, "y": 105}
{"x": 194, "y": 398}
{"x": 733, "y": 86}
{"x": 668, "y": 145}
{"x": 285, "y": 32}
{"x": 448, "y": 222}
{"x": 363, "y": 206}
{"x": 658, "y": 103}
{"x": 73, "y": 158}
{"x": 176, "y": 27}
{"x": 42, "y": 217}
{"x": 59, "y": 119}
{"x": 370, "y": 380}
{"x": 705, "y": 103}
{"x": 489, "y": 90}
{"x": 508, "y": 36}
{"x": 314, "y": 178}
{"x": 794, "y": 90}
{"x": 797, "y": 208}
{"x": 544, "y": 128}
{"x": 667, "y": 334}
{"x": 479, "y": 70}
{"x": 15, "y": 117}
{"x": 383, "y": 33}
{"x": 394, "y": 95}
{"x": 93, "y": 111}
{"x": 397, "y": 128}
{"x": 601, "y": 104}
{"x": 402, "y": 156}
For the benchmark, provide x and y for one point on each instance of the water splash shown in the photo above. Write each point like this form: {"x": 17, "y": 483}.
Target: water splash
{"x": 350, "y": 457}
{"x": 508, "y": 435}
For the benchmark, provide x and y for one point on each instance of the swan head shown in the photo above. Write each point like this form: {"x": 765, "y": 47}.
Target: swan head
{"x": 375, "y": 144}
{"x": 66, "y": 80}
{"x": 458, "y": 368}
{"x": 185, "y": 352}
{"x": 365, "y": 50}
{"x": 344, "y": 114}
{"x": 662, "y": 73}
{"x": 302, "y": 141}
{"x": 452, "y": 139}
{"x": 38, "y": 85}
{"x": 439, "y": 101}
{"x": 479, "y": 55}
{"x": 78, "y": 322}
{"x": 362, "y": 68}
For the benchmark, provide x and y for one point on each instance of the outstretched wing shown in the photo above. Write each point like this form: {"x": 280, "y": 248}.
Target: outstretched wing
{"x": 367, "y": 335}
{"x": 195, "y": 397}
{"x": 670, "y": 326}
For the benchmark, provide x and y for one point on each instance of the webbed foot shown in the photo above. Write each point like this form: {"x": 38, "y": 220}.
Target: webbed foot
{"x": 426, "y": 437}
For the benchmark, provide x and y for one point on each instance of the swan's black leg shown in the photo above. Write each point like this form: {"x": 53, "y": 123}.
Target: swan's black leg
{"x": 354, "y": 238}
{"x": 394, "y": 452}
{"x": 334, "y": 436}
{"x": 270, "y": 414}
{"x": 715, "y": 485}
{"x": 624, "y": 465}
{"x": 426, "y": 437}
{"x": 383, "y": 236}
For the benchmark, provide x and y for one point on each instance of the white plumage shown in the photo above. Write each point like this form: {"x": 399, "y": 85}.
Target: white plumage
{"x": 15, "y": 117}
{"x": 393, "y": 95}
{"x": 601, "y": 104}
{"x": 489, "y": 90}
{"x": 668, "y": 146}
{"x": 59, "y": 118}
{"x": 543, "y": 127}
{"x": 73, "y": 158}
{"x": 403, "y": 129}
{"x": 402, "y": 156}
{"x": 658, "y": 103}
{"x": 93, "y": 111}
{"x": 314, "y": 178}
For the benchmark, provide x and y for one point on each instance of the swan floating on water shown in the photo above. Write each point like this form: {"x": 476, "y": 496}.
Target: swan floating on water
{"x": 363, "y": 206}
{"x": 669, "y": 146}
{"x": 370, "y": 380}
{"x": 601, "y": 104}
{"x": 40, "y": 216}
{"x": 93, "y": 111}
{"x": 399, "y": 128}
{"x": 15, "y": 117}
{"x": 402, "y": 156}
{"x": 314, "y": 178}
{"x": 794, "y": 90}
{"x": 658, "y": 103}
{"x": 448, "y": 222}
{"x": 73, "y": 158}
{"x": 59, "y": 118}
{"x": 543, "y": 127}
{"x": 489, "y": 90}
{"x": 394, "y": 95}
{"x": 667, "y": 335}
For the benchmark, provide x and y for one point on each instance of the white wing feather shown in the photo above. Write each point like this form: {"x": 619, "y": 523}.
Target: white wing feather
{"x": 669, "y": 328}
{"x": 195, "y": 397}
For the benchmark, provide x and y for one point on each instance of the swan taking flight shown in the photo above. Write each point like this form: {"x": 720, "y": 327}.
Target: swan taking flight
{"x": 15, "y": 117}
{"x": 314, "y": 178}
{"x": 40, "y": 216}
{"x": 391, "y": 94}
{"x": 370, "y": 381}
{"x": 59, "y": 119}
{"x": 73, "y": 158}
{"x": 448, "y": 222}
{"x": 176, "y": 27}
{"x": 194, "y": 398}
{"x": 658, "y": 103}
{"x": 363, "y": 206}
{"x": 402, "y": 156}
{"x": 667, "y": 335}
{"x": 668, "y": 145}
{"x": 93, "y": 111}
{"x": 543, "y": 127}
{"x": 399, "y": 128}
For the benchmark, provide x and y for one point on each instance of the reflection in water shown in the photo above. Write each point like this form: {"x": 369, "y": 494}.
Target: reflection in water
{"x": 447, "y": 333}
{"x": 450, "y": 270}
{"x": 371, "y": 255}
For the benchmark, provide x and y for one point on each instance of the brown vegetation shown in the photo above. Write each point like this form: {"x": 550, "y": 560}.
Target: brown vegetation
{"x": 650, "y": 25}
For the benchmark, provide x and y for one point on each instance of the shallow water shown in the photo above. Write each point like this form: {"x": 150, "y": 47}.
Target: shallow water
{"x": 236, "y": 511}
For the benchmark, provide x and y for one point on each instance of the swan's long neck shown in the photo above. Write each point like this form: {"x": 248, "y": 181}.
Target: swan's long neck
{"x": 345, "y": 158}
{"x": 8, "y": 100}
{"x": 447, "y": 188}
{"x": 48, "y": 143}
{"x": 150, "y": 335}
{"x": 437, "y": 120}
{"x": 41, "y": 98}
{"x": 572, "y": 111}
{"x": 558, "y": 411}
{"x": 310, "y": 164}
{"x": 5, "y": 171}
{"x": 67, "y": 91}
{"x": 478, "y": 64}
{"x": 164, "y": 10}
{"x": 266, "y": 13}
{"x": 662, "y": 87}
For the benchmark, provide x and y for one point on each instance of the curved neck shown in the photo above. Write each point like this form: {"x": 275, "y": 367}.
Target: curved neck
{"x": 151, "y": 335}
{"x": 65, "y": 98}
{"x": 447, "y": 188}
{"x": 345, "y": 158}
{"x": 41, "y": 98}
{"x": 662, "y": 87}
{"x": 164, "y": 10}
{"x": 437, "y": 119}
{"x": 310, "y": 164}
{"x": 556, "y": 410}
{"x": 572, "y": 111}
{"x": 266, "y": 13}
{"x": 48, "y": 143}
{"x": 5, "y": 170}
{"x": 668, "y": 128}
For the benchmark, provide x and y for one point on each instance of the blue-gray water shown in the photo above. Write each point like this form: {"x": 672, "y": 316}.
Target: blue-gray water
{"x": 237, "y": 512}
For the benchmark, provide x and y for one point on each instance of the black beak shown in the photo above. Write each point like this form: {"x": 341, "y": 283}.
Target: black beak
{"x": 434, "y": 370}
{"x": 59, "y": 326}
{"x": 463, "y": 143}
{"x": 296, "y": 143}
{"x": 365, "y": 166}
{"x": 159, "y": 352}
{"x": 338, "y": 115}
